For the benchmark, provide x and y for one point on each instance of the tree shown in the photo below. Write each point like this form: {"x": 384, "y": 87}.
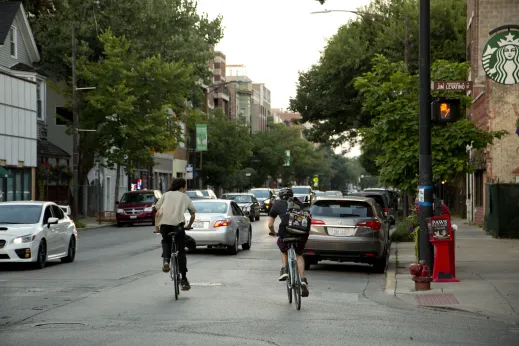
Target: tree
{"x": 130, "y": 105}
{"x": 390, "y": 96}
{"x": 326, "y": 95}
{"x": 229, "y": 144}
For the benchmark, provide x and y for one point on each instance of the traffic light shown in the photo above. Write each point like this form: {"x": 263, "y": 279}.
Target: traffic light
{"x": 445, "y": 111}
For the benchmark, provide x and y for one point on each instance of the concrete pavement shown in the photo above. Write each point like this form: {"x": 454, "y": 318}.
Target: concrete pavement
{"x": 115, "y": 294}
{"x": 488, "y": 269}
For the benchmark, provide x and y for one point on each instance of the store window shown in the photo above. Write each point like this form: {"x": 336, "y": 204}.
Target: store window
{"x": 18, "y": 187}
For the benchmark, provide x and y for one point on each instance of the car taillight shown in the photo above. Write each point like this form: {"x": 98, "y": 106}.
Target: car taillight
{"x": 374, "y": 225}
{"x": 317, "y": 222}
{"x": 221, "y": 223}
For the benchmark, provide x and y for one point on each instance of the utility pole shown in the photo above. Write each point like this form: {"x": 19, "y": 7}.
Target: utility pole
{"x": 425, "y": 194}
{"x": 75, "y": 120}
{"x": 405, "y": 197}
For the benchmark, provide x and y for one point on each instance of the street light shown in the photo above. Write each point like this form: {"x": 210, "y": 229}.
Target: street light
{"x": 366, "y": 14}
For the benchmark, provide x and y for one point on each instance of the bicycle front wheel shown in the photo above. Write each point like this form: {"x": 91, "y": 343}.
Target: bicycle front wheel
{"x": 174, "y": 275}
{"x": 297, "y": 285}
{"x": 289, "y": 286}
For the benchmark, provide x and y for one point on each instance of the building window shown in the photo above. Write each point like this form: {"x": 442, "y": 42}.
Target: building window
{"x": 40, "y": 99}
{"x": 479, "y": 188}
{"x": 14, "y": 42}
{"x": 63, "y": 116}
{"x": 18, "y": 187}
{"x": 180, "y": 175}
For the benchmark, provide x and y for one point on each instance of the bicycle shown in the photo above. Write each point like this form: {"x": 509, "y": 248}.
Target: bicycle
{"x": 294, "y": 278}
{"x": 174, "y": 271}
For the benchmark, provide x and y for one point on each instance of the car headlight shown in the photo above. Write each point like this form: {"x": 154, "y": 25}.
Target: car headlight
{"x": 148, "y": 209}
{"x": 24, "y": 239}
{"x": 120, "y": 211}
{"x": 267, "y": 201}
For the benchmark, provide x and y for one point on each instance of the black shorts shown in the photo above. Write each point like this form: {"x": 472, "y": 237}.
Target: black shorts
{"x": 299, "y": 246}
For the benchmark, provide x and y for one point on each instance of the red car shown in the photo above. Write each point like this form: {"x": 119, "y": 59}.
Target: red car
{"x": 137, "y": 206}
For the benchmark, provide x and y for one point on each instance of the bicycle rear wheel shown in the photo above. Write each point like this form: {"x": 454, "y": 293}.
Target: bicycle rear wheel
{"x": 297, "y": 285}
{"x": 174, "y": 270}
{"x": 289, "y": 286}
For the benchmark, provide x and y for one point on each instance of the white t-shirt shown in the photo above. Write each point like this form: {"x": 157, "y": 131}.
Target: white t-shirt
{"x": 172, "y": 206}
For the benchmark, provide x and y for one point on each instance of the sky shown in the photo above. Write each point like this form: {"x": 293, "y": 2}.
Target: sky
{"x": 275, "y": 39}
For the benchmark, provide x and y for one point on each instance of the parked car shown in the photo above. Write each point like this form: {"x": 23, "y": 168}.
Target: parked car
{"x": 247, "y": 202}
{"x": 349, "y": 229}
{"x": 36, "y": 232}
{"x": 382, "y": 198}
{"x": 209, "y": 194}
{"x": 304, "y": 193}
{"x": 220, "y": 222}
{"x": 318, "y": 193}
{"x": 391, "y": 194}
{"x": 266, "y": 198}
{"x": 333, "y": 193}
{"x": 137, "y": 206}
{"x": 196, "y": 194}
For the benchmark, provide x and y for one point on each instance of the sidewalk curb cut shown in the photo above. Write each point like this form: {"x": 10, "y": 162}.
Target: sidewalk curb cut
{"x": 391, "y": 270}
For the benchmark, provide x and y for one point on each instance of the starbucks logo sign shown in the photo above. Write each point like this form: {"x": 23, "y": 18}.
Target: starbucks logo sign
{"x": 501, "y": 57}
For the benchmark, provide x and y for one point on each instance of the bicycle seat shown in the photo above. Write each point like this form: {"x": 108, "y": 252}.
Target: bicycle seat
{"x": 291, "y": 239}
{"x": 171, "y": 234}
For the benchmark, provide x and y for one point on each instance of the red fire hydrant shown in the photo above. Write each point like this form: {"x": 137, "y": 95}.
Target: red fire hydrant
{"x": 421, "y": 276}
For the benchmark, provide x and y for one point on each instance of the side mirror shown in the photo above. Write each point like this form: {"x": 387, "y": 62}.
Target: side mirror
{"x": 52, "y": 221}
{"x": 116, "y": 202}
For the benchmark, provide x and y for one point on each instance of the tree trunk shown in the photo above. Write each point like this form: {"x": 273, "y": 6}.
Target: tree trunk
{"x": 117, "y": 182}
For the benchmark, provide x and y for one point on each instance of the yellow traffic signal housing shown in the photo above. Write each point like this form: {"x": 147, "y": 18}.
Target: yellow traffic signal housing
{"x": 445, "y": 111}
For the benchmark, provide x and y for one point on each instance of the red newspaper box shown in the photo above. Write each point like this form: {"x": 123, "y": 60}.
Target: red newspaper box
{"x": 442, "y": 237}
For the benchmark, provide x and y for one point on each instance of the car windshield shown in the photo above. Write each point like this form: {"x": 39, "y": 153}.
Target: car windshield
{"x": 20, "y": 214}
{"x": 260, "y": 193}
{"x": 239, "y": 198}
{"x": 341, "y": 208}
{"x": 205, "y": 193}
{"x": 194, "y": 194}
{"x": 211, "y": 207}
{"x": 138, "y": 198}
{"x": 301, "y": 190}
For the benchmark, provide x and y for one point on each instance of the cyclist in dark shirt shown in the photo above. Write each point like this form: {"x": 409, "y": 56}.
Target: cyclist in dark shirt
{"x": 280, "y": 208}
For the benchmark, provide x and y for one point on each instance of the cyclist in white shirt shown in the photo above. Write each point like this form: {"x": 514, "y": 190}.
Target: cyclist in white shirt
{"x": 170, "y": 218}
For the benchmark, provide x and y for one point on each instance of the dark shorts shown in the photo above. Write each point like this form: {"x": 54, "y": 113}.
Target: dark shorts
{"x": 299, "y": 246}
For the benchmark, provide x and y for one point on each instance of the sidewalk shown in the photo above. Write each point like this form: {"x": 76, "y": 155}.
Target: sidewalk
{"x": 488, "y": 269}
{"x": 90, "y": 222}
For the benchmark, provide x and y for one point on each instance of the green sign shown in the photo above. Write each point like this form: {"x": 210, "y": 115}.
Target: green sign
{"x": 201, "y": 137}
{"x": 501, "y": 57}
{"x": 287, "y": 158}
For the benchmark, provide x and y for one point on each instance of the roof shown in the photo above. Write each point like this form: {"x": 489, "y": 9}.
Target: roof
{"x": 48, "y": 149}
{"x": 26, "y": 68}
{"x": 8, "y": 11}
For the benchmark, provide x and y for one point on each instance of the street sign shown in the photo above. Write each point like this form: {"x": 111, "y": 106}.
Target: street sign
{"x": 189, "y": 175}
{"x": 189, "y": 168}
{"x": 316, "y": 179}
{"x": 452, "y": 85}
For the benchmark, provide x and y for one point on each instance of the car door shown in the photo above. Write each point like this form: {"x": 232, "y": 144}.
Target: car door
{"x": 62, "y": 229}
{"x": 50, "y": 232}
{"x": 239, "y": 218}
{"x": 385, "y": 223}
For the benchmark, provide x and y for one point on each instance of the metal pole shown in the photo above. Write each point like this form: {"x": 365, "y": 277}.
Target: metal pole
{"x": 405, "y": 200}
{"x": 75, "y": 154}
{"x": 426, "y": 189}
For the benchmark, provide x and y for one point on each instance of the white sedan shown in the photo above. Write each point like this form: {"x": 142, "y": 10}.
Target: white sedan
{"x": 36, "y": 232}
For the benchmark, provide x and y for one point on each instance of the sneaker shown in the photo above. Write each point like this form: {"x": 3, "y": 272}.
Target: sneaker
{"x": 283, "y": 274}
{"x": 185, "y": 284}
{"x": 304, "y": 288}
{"x": 165, "y": 265}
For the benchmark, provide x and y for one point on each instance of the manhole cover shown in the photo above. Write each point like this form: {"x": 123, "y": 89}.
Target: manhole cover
{"x": 436, "y": 299}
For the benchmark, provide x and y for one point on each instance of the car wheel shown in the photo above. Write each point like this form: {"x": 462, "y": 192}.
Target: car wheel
{"x": 41, "y": 258}
{"x": 233, "y": 249}
{"x": 71, "y": 253}
{"x": 248, "y": 244}
{"x": 380, "y": 264}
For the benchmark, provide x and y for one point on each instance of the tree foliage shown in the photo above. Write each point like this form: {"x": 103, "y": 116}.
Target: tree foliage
{"x": 229, "y": 145}
{"x": 326, "y": 95}
{"x": 390, "y": 95}
{"x": 131, "y": 103}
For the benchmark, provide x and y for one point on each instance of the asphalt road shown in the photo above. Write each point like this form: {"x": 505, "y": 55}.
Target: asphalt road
{"x": 116, "y": 294}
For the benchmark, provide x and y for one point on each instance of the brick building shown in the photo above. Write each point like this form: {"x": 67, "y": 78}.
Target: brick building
{"x": 224, "y": 96}
{"x": 495, "y": 96}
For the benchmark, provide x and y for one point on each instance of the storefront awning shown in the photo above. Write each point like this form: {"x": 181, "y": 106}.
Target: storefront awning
{"x": 48, "y": 149}
{"x": 5, "y": 173}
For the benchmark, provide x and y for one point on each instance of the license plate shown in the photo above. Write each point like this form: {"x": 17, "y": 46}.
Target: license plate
{"x": 133, "y": 217}
{"x": 199, "y": 224}
{"x": 341, "y": 232}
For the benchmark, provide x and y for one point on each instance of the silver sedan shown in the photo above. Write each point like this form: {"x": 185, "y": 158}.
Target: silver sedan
{"x": 222, "y": 223}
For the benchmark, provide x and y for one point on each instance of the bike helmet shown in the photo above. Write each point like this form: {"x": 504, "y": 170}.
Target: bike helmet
{"x": 286, "y": 193}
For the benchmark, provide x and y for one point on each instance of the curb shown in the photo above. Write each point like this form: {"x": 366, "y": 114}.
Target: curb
{"x": 391, "y": 270}
{"x": 95, "y": 227}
